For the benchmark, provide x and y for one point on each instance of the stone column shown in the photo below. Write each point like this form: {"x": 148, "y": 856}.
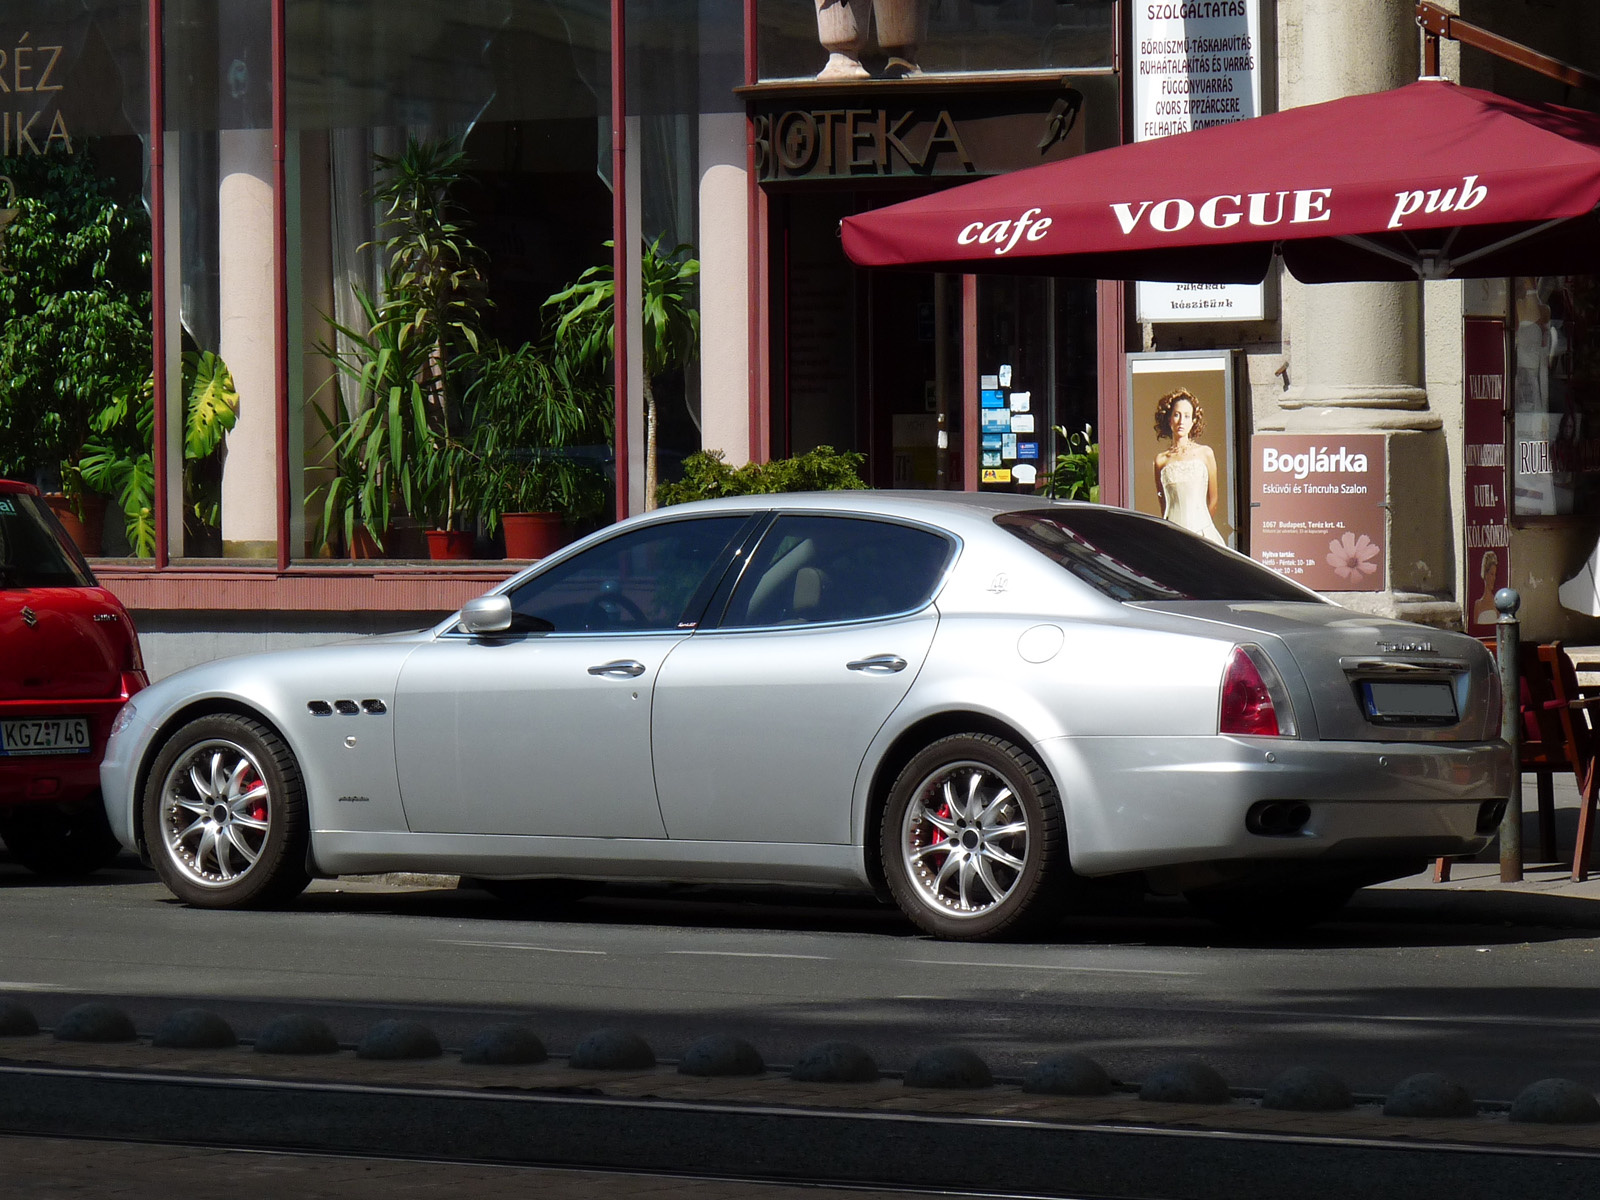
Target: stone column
{"x": 724, "y": 287}
{"x": 1354, "y": 350}
{"x": 247, "y": 340}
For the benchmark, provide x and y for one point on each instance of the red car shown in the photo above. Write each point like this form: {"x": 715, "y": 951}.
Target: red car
{"x": 69, "y": 659}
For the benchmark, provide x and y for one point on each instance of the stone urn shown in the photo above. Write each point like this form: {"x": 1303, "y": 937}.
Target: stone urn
{"x": 845, "y": 28}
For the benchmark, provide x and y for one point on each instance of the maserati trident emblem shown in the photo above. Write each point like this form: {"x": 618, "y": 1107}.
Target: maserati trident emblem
{"x": 29, "y": 617}
{"x": 1406, "y": 647}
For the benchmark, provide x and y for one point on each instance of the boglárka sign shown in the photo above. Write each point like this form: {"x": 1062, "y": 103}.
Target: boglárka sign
{"x": 1317, "y": 510}
{"x": 32, "y": 81}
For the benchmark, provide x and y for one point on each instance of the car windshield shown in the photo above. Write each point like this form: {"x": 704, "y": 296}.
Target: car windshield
{"x": 31, "y": 553}
{"x": 1131, "y": 557}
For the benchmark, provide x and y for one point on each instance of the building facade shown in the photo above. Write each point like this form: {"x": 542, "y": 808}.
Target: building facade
{"x": 237, "y": 257}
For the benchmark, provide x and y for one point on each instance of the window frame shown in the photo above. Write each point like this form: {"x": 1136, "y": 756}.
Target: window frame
{"x": 723, "y": 598}
{"x": 754, "y": 522}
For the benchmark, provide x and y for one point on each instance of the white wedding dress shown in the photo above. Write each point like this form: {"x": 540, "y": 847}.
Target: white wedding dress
{"x": 1184, "y": 482}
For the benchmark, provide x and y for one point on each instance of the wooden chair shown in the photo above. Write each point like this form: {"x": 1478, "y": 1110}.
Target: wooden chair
{"x": 1543, "y": 750}
{"x": 1567, "y": 710}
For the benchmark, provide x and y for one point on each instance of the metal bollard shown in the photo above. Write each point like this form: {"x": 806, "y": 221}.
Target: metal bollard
{"x": 1507, "y": 637}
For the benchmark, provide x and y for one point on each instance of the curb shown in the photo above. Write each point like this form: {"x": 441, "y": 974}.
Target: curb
{"x": 776, "y": 1143}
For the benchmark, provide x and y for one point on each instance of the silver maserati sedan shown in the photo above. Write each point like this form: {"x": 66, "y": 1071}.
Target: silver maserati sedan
{"x": 974, "y": 705}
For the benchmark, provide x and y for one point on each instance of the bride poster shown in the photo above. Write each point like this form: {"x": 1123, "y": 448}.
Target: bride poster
{"x": 1179, "y": 426}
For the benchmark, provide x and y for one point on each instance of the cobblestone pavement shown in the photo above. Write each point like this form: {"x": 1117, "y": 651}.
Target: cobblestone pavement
{"x": 34, "y": 1168}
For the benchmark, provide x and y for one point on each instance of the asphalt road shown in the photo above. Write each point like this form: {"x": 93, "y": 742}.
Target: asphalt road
{"x": 1389, "y": 990}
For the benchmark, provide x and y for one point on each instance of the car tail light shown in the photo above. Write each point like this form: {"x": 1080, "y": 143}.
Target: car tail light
{"x": 134, "y": 656}
{"x": 1254, "y": 700}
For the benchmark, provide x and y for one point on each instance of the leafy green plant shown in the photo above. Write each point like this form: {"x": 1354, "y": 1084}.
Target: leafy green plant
{"x": 584, "y": 326}
{"x": 118, "y": 456}
{"x": 75, "y": 294}
{"x": 706, "y": 475}
{"x": 1076, "y": 474}
{"x": 529, "y": 407}
{"x": 396, "y": 433}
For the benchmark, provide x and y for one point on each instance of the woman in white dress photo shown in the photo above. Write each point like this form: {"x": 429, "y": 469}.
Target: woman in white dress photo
{"x": 1186, "y": 471}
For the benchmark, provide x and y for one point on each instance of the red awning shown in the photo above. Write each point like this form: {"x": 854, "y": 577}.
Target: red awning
{"x": 1430, "y": 181}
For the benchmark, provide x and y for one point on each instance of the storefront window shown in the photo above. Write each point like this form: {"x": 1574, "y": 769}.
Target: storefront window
{"x": 75, "y": 348}
{"x": 1036, "y": 368}
{"x": 485, "y": 121}
{"x": 1555, "y": 340}
{"x": 221, "y": 348}
{"x": 857, "y": 38}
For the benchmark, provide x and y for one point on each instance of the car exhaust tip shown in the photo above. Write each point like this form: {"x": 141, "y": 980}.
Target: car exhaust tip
{"x": 1490, "y": 814}
{"x": 1277, "y": 818}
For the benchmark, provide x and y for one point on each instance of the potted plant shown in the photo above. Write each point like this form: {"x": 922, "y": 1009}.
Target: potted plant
{"x": 706, "y": 475}
{"x": 394, "y": 432}
{"x": 1076, "y": 474}
{"x": 118, "y": 457}
{"x": 584, "y": 325}
{"x": 533, "y": 413}
{"x": 75, "y": 291}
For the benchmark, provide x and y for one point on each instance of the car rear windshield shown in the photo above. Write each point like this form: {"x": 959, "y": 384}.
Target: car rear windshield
{"x": 31, "y": 553}
{"x": 1131, "y": 557}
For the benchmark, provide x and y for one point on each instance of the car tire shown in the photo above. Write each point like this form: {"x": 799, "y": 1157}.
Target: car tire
{"x": 1270, "y": 910}
{"x": 225, "y": 817}
{"x": 60, "y": 842}
{"x": 995, "y": 799}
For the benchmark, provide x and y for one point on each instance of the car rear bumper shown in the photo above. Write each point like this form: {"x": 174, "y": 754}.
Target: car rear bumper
{"x": 56, "y": 778}
{"x": 1136, "y": 803}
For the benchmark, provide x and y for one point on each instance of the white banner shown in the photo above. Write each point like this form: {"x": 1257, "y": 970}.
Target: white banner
{"x": 1196, "y": 63}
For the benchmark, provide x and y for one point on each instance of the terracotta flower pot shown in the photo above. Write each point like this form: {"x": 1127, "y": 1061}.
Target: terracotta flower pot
{"x": 449, "y": 544}
{"x": 363, "y": 544}
{"x": 533, "y": 535}
{"x": 86, "y": 534}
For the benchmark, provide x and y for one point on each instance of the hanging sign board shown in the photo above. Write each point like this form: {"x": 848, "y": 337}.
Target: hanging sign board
{"x": 1317, "y": 510}
{"x": 1488, "y": 541}
{"x": 1196, "y": 63}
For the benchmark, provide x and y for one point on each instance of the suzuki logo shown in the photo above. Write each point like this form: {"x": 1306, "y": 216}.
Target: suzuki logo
{"x": 29, "y": 617}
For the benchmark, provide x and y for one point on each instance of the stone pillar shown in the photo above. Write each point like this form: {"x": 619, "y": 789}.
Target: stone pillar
{"x": 724, "y": 287}
{"x": 247, "y": 341}
{"x": 1354, "y": 350}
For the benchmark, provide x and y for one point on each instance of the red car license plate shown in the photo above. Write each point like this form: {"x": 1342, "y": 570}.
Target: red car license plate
{"x": 45, "y": 735}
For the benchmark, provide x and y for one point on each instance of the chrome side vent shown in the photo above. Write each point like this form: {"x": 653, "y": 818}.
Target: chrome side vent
{"x": 319, "y": 708}
{"x": 376, "y": 707}
{"x": 346, "y": 708}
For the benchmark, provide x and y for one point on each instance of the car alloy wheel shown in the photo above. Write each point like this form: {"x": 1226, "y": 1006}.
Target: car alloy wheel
{"x": 216, "y": 812}
{"x": 972, "y": 840}
{"x": 964, "y": 840}
{"x": 225, "y": 814}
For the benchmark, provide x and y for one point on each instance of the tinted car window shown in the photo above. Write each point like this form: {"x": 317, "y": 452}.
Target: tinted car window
{"x": 1129, "y": 557}
{"x": 31, "y": 554}
{"x": 811, "y": 570}
{"x": 639, "y": 581}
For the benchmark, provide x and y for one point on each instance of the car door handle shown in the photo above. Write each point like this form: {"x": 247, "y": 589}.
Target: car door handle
{"x": 879, "y": 664}
{"x": 622, "y": 668}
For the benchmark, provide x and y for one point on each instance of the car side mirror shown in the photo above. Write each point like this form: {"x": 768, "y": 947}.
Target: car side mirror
{"x": 486, "y": 614}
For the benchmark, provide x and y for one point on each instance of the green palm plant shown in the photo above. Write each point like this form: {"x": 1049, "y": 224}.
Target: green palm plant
{"x": 396, "y": 430}
{"x": 583, "y": 327}
{"x": 118, "y": 455}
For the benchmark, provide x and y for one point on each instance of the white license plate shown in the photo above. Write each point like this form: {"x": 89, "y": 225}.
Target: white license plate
{"x": 45, "y": 735}
{"x": 1405, "y": 703}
